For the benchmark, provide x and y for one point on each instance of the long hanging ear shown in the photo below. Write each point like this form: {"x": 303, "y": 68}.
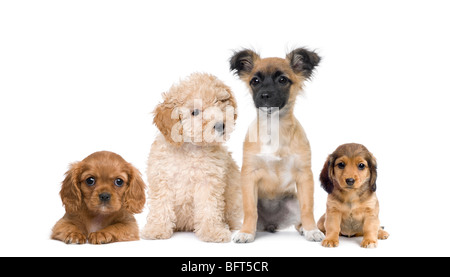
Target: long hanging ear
{"x": 134, "y": 198}
{"x": 167, "y": 119}
{"x": 70, "y": 190}
{"x": 373, "y": 172}
{"x": 327, "y": 173}
{"x": 242, "y": 62}
{"x": 227, "y": 95}
{"x": 303, "y": 61}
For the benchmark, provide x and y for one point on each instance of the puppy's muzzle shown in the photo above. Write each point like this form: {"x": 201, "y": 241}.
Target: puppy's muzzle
{"x": 269, "y": 99}
{"x": 350, "y": 181}
{"x": 104, "y": 197}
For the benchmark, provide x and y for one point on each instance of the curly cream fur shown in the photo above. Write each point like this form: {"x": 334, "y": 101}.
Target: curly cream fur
{"x": 194, "y": 184}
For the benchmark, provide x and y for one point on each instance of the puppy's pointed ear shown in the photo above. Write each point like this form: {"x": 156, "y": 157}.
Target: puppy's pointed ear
{"x": 303, "y": 61}
{"x": 70, "y": 190}
{"x": 327, "y": 174}
{"x": 242, "y": 62}
{"x": 166, "y": 118}
{"x": 134, "y": 198}
{"x": 373, "y": 172}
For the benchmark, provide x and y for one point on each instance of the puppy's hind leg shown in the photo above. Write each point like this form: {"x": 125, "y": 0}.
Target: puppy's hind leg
{"x": 321, "y": 224}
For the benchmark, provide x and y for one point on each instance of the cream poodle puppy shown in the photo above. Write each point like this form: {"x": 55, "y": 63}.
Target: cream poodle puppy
{"x": 194, "y": 184}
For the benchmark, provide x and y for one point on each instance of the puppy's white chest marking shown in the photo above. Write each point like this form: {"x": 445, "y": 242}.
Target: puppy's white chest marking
{"x": 269, "y": 137}
{"x": 286, "y": 176}
{"x": 269, "y": 157}
{"x": 268, "y": 150}
{"x": 285, "y": 168}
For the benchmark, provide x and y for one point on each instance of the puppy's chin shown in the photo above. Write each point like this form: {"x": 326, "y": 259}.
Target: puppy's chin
{"x": 102, "y": 208}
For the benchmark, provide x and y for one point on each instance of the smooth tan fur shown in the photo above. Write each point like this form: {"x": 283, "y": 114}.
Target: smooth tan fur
{"x": 87, "y": 218}
{"x": 351, "y": 210}
{"x": 193, "y": 183}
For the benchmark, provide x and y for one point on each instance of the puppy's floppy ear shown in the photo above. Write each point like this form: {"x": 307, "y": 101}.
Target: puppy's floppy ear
{"x": 134, "y": 198}
{"x": 373, "y": 172}
{"x": 166, "y": 119}
{"x": 242, "y": 62}
{"x": 327, "y": 174}
{"x": 229, "y": 96}
{"x": 303, "y": 61}
{"x": 70, "y": 190}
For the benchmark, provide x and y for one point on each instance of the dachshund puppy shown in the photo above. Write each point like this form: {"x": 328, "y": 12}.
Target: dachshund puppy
{"x": 349, "y": 177}
{"x": 193, "y": 179}
{"x": 276, "y": 177}
{"x": 100, "y": 194}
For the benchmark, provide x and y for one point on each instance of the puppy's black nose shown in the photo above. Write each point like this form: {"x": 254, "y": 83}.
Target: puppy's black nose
{"x": 350, "y": 181}
{"x": 265, "y": 95}
{"x": 104, "y": 197}
{"x": 219, "y": 127}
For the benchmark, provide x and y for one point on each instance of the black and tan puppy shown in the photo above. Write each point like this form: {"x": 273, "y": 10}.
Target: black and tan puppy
{"x": 349, "y": 177}
{"x": 277, "y": 182}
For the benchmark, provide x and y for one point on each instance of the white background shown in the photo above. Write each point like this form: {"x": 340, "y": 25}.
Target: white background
{"x": 81, "y": 76}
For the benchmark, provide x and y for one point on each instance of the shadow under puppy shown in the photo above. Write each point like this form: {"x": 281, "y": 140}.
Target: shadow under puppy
{"x": 100, "y": 194}
{"x": 349, "y": 177}
{"x": 193, "y": 180}
{"x": 277, "y": 181}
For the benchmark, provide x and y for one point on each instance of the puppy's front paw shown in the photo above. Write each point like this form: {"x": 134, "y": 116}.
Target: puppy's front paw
{"x": 100, "y": 238}
{"x": 243, "y": 237}
{"x": 369, "y": 243}
{"x": 75, "y": 237}
{"x": 312, "y": 235}
{"x": 153, "y": 232}
{"x": 219, "y": 235}
{"x": 330, "y": 243}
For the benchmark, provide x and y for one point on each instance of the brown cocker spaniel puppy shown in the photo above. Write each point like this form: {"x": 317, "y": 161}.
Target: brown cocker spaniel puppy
{"x": 349, "y": 176}
{"x": 100, "y": 194}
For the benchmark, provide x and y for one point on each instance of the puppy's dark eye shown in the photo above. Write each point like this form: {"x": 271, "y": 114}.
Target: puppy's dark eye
{"x": 118, "y": 182}
{"x": 255, "y": 81}
{"x": 195, "y": 112}
{"x": 341, "y": 165}
{"x": 361, "y": 166}
{"x": 90, "y": 181}
{"x": 283, "y": 80}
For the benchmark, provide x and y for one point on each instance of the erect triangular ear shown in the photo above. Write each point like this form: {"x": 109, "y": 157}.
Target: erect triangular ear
{"x": 243, "y": 62}
{"x": 327, "y": 174}
{"x": 303, "y": 61}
